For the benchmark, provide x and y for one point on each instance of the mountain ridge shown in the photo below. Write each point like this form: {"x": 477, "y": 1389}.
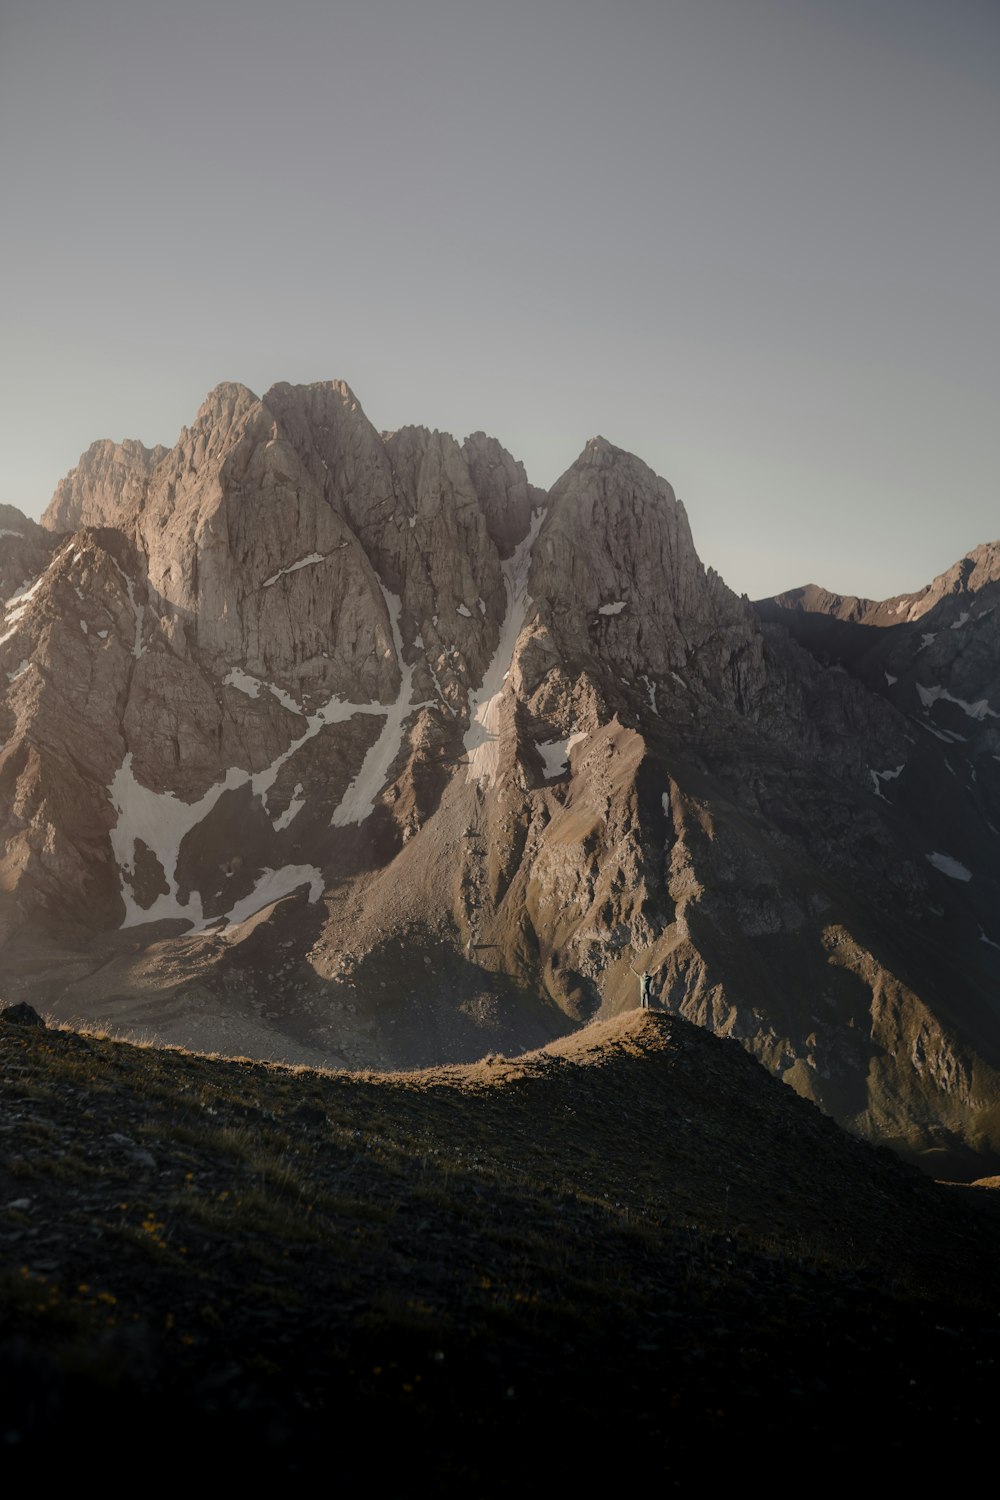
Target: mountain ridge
{"x": 470, "y": 1258}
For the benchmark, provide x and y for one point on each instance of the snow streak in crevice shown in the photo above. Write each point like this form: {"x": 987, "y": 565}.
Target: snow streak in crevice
{"x": 358, "y": 802}
{"x": 482, "y": 738}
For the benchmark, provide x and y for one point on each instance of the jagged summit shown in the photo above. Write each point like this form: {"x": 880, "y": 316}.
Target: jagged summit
{"x": 320, "y": 388}
{"x": 358, "y": 747}
{"x": 110, "y": 481}
{"x": 599, "y": 453}
{"x": 229, "y": 397}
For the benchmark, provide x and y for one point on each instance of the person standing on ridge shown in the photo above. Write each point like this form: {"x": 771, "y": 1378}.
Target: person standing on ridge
{"x": 644, "y": 984}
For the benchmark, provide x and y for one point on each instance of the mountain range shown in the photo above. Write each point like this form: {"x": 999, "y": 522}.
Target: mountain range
{"x": 353, "y": 747}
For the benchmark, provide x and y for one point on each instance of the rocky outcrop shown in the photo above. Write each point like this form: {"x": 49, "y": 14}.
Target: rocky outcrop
{"x": 341, "y": 744}
{"x": 25, "y": 551}
{"x": 449, "y": 566}
{"x": 107, "y": 488}
{"x": 507, "y": 499}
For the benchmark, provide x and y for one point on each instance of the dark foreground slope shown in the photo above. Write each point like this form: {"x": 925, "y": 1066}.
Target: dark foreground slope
{"x": 633, "y": 1253}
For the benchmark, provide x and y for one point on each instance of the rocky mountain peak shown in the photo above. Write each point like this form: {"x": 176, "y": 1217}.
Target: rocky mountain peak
{"x": 320, "y": 395}
{"x": 616, "y": 567}
{"x": 601, "y": 450}
{"x": 222, "y": 419}
{"x": 225, "y": 403}
{"x": 813, "y": 599}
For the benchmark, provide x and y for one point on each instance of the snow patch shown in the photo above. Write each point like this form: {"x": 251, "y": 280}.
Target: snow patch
{"x": 243, "y": 682}
{"x": 961, "y": 620}
{"x": 83, "y": 627}
{"x": 6, "y": 531}
{"x": 879, "y": 776}
{"x": 271, "y": 886}
{"x": 890, "y": 679}
{"x": 651, "y": 690}
{"x": 988, "y": 941}
{"x": 303, "y": 562}
{"x": 16, "y": 606}
{"x": 612, "y": 609}
{"x": 22, "y": 665}
{"x": 666, "y": 804}
{"x": 293, "y": 809}
{"x": 285, "y": 699}
{"x": 482, "y": 738}
{"x": 358, "y": 801}
{"x": 949, "y": 866}
{"x": 555, "y": 753}
{"x": 463, "y": 610}
{"x": 482, "y": 605}
{"x": 21, "y": 595}
{"x": 948, "y": 735}
{"x": 978, "y": 710}
{"x": 161, "y": 820}
{"x": 926, "y": 640}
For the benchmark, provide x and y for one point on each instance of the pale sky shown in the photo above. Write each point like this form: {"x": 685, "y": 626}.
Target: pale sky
{"x": 754, "y": 241}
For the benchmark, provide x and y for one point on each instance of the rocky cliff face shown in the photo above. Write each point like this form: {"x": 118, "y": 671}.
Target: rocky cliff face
{"x": 110, "y": 481}
{"x": 355, "y": 747}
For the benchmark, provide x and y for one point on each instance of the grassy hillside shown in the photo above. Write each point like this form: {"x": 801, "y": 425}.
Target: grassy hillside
{"x": 632, "y": 1250}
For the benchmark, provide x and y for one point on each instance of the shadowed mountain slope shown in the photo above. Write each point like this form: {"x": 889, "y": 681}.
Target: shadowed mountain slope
{"x": 635, "y": 1227}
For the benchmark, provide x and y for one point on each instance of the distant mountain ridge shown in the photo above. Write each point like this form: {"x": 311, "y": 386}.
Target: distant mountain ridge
{"x": 973, "y": 572}
{"x": 349, "y": 746}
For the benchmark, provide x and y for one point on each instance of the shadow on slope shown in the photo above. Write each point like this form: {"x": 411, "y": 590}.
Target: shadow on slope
{"x": 630, "y": 1254}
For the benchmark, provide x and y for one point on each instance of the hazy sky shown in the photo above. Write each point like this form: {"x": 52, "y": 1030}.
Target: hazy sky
{"x": 754, "y": 241}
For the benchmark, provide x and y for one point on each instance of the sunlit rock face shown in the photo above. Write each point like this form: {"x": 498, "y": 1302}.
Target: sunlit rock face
{"x": 348, "y": 746}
